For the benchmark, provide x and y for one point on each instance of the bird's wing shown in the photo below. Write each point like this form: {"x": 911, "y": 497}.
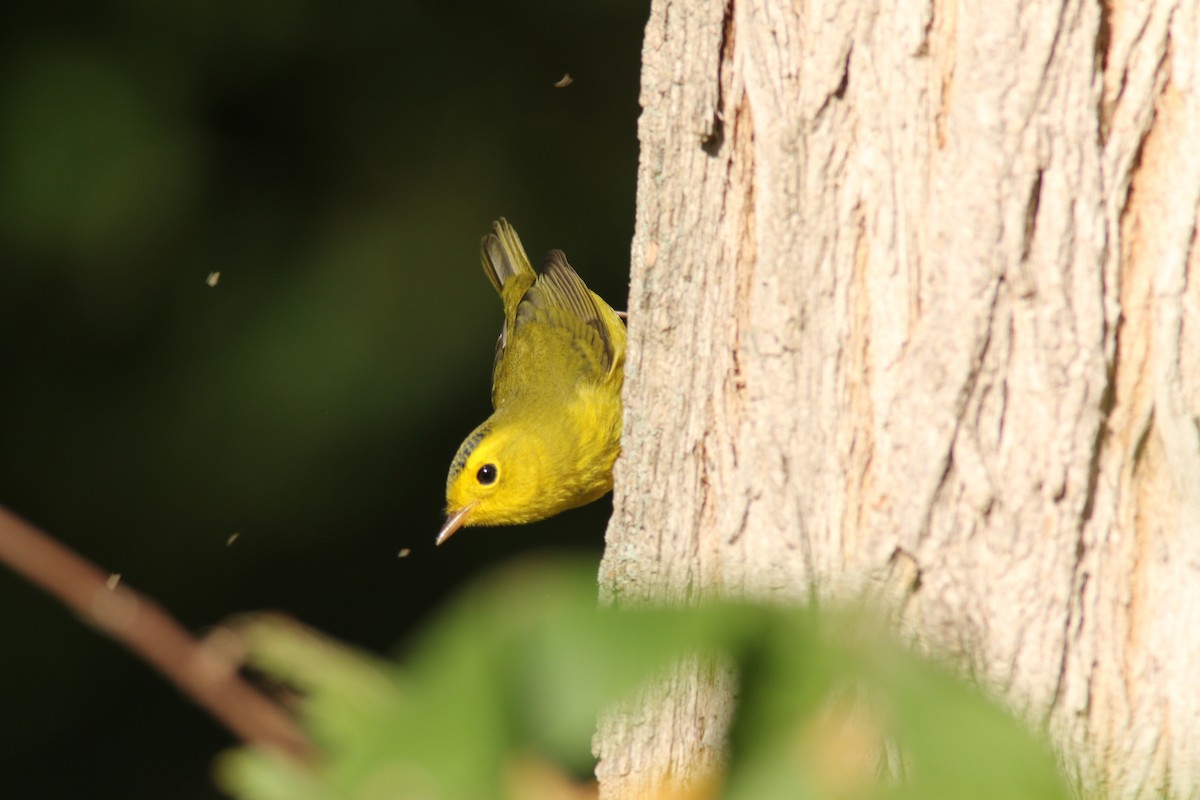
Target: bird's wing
{"x": 560, "y": 291}
{"x": 559, "y": 328}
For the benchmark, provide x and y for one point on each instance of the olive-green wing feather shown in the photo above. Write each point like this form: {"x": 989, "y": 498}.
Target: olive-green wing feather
{"x": 559, "y": 287}
{"x": 558, "y": 337}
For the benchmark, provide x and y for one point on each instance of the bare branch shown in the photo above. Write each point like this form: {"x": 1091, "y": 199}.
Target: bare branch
{"x": 201, "y": 673}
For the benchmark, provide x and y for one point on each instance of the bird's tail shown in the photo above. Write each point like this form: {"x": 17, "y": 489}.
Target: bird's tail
{"x": 503, "y": 256}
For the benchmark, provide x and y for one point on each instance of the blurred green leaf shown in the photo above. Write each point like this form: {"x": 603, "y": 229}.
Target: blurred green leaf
{"x": 524, "y": 661}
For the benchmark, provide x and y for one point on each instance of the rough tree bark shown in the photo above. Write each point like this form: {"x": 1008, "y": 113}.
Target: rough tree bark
{"x": 915, "y": 308}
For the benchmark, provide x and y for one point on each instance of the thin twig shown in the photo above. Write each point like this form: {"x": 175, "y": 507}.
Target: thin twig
{"x": 141, "y": 625}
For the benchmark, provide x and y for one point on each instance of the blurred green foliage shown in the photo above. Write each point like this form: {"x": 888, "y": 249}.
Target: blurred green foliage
{"x": 523, "y": 661}
{"x": 337, "y": 164}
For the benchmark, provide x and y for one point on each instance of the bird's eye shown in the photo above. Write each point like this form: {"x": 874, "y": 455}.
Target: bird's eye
{"x": 486, "y": 474}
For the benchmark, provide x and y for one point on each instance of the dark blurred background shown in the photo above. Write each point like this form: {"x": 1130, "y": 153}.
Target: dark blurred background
{"x": 337, "y": 164}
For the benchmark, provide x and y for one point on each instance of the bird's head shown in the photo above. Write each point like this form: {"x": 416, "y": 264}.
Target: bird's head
{"x": 493, "y": 480}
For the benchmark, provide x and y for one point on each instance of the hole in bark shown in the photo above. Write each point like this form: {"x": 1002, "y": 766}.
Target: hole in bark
{"x": 844, "y": 84}
{"x": 711, "y": 143}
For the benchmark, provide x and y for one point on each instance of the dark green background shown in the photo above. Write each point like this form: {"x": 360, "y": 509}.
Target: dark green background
{"x": 337, "y": 163}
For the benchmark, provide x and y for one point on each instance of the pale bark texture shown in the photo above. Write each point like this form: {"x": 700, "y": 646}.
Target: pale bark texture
{"x": 915, "y": 310}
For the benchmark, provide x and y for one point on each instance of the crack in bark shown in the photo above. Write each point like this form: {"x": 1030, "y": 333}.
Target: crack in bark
{"x": 943, "y": 49}
{"x": 1109, "y": 104}
{"x": 1078, "y": 581}
{"x": 714, "y": 137}
{"x": 1031, "y": 211}
{"x": 960, "y": 406}
{"x": 839, "y": 91}
{"x": 1103, "y": 36}
{"x": 1074, "y": 618}
{"x": 1100, "y": 56}
{"x": 1108, "y": 401}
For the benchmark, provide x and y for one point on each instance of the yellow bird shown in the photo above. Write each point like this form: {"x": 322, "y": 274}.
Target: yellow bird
{"x": 551, "y": 442}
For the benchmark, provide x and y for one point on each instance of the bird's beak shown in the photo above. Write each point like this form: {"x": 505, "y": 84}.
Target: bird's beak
{"x": 453, "y": 523}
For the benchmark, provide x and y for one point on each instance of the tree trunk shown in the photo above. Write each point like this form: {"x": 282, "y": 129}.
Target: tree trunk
{"x": 915, "y": 309}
